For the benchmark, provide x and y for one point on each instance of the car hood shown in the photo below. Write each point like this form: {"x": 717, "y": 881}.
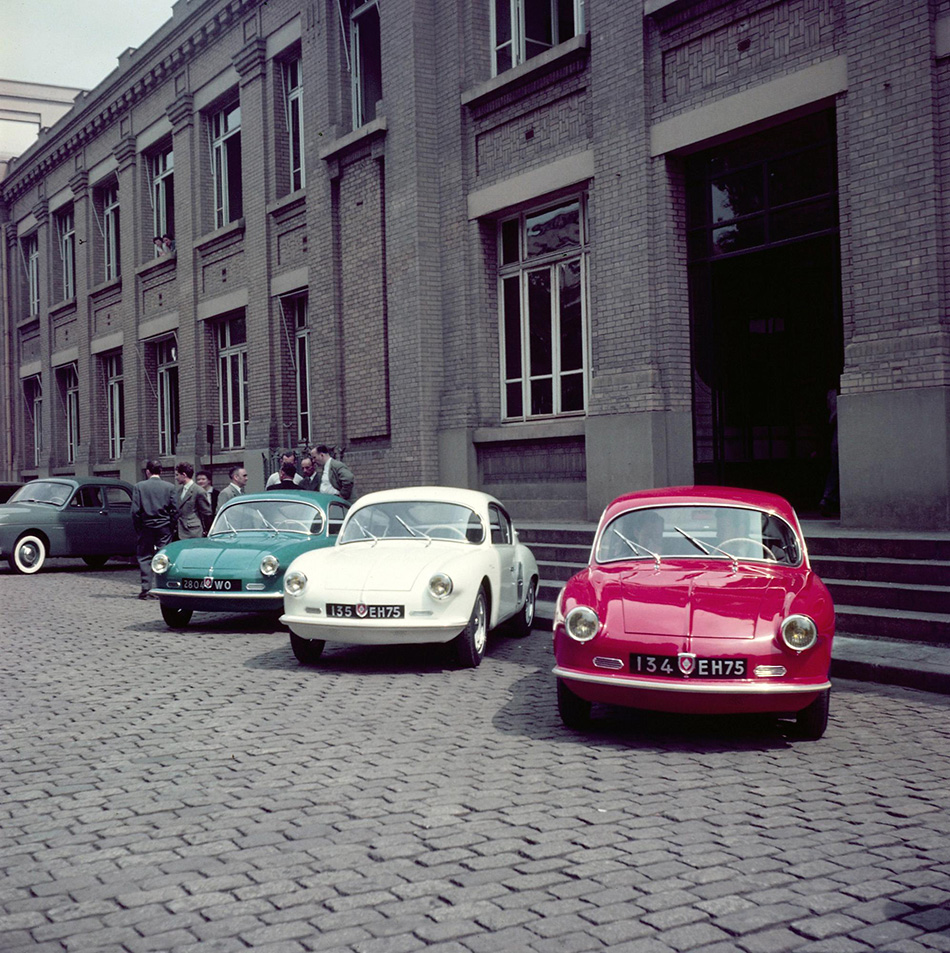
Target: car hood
{"x": 386, "y": 566}
{"x": 701, "y": 602}
{"x": 24, "y": 512}
{"x": 230, "y": 555}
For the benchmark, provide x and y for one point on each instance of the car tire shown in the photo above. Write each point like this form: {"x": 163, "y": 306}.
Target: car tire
{"x": 812, "y": 720}
{"x": 524, "y": 619}
{"x": 29, "y": 554}
{"x": 471, "y": 641}
{"x": 176, "y": 618}
{"x": 574, "y": 710}
{"x": 307, "y": 651}
{"x": 95, "y": 562}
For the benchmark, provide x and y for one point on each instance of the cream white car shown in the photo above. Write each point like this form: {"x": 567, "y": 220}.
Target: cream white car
{"x": 419, "y": 564}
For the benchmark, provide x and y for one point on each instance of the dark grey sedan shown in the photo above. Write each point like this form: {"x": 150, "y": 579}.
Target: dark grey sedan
{"x": 90, "y": 517}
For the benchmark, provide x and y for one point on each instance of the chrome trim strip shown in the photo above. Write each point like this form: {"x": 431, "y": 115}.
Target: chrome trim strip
{"x": 694, "y": 686}
{"x": 208, "y": 594}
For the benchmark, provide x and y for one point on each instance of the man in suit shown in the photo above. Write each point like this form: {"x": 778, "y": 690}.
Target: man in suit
{"x": 311, "y": 479}
{"x": 194, "y": 507}
{"x": 335, "y": 476}
{"x": 154, "y": 517}
{"x": 203, "y": 479}
{"x": 236, "y": 487}
{"x": 288, "y": 478}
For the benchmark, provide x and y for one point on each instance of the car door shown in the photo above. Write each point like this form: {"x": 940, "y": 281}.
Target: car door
{"x": 121, "y": 531}
{"x": 503, "y": 542}
{"x": 86, "y": 522}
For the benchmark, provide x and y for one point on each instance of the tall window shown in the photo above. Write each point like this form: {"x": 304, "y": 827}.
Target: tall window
{"x": 295, "y": 316}
{"x": 66, "y": 238}
{"x": 525, "y": 28}
{"x": 69, "y": 383}
{"x": 162, "y": 191}
{"x": 543, "y": 297}
{"x": 110, "y": 231}
{"x": 115, "y": 403}
{"x": 166, "y": 360}
{"x": 33, "y": 398}
{"x": 232, "y": 381}
{"x": 293, "y": 105}
{"x": 367, "y": 62}
{"x": 226, "y": 164}
{"x": 31, "y": 258}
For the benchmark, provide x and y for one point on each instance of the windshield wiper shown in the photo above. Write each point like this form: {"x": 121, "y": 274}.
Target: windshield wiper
{"x": 413, "y": 532}
{"x": 366, "y": 533}
{"x": 231, "y": 529}
{"x": 635, "y": 547}
{"x": 705, "y": 549}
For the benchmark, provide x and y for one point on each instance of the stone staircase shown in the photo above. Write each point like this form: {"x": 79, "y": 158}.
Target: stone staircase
{"x": 885, "y": 585}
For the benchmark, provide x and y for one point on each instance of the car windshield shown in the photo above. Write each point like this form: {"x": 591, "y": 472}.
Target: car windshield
{"x": 414, "y": 519}
{"x": 283, "y": 516}
{"x": 43, "y": 491}
{"x": 711, "y": 532}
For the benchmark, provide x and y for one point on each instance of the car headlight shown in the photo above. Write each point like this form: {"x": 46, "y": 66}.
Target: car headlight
{"x": 440, "y": 585}
{"x": 295, "y": 582}
{"x": 160, "y": 563}
{"x": 582, "y": 623}
{"x": 269, "y": 565}
{"x": 799, "y": 632}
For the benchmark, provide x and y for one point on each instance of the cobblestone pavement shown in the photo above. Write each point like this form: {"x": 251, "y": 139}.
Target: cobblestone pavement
{"x": 199, "y": 790}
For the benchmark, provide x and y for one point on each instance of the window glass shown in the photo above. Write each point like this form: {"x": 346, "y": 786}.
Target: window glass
{"x": 552, "y": 230}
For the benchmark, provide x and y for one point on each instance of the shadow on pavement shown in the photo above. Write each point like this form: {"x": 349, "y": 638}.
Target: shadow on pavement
{"x": 373, "y": 659}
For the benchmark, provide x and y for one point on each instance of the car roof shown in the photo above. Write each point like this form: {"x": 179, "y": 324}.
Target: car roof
{"x": 298, "y": 496}
{"x": 703, "y": 495}
{"x": 81, "y": 481}
{"x": 436, "y": 494}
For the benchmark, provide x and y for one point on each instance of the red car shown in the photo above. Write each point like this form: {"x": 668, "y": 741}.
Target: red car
{"x": 697, "y": 599}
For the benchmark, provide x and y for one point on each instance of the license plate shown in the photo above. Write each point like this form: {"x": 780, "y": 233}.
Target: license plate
{"x": 207, "y": 584}
{"x": 687, "y": 665}
{"x": 342, "y": 610}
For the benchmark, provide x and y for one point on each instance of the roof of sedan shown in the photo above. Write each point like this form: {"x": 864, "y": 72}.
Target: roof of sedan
{"x": 711, "y": 495}
{"x": 436, "y": 494}
{"x": 81, "y": 480}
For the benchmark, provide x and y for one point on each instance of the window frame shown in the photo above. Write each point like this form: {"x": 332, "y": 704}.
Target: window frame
{"x": 224, "y": 132}
{"x": 518, "y": 40}
{"x": 296, "y": 315}
{"x": 31, "y": 260}
{"x": 521, "y": 271}
{"x": 115, "y": 402}
{"x": 161, "y": 167}
{"x": 292, "y": 83}
{"x": 232, "y": 374}
{"x": 33, "y": 405}
{"x": 110, "y": 232}
{"x": 364, "y": 10}
{"x": 167, "y": 394}
{"x": 66, "y": 241}
{"x": 69, "y": 382}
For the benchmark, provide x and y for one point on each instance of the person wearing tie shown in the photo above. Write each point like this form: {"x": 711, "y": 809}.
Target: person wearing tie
{"x": 194, "y": 507}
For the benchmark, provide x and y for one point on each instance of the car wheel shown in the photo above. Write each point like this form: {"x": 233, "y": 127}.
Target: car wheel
{"x": 524, "y": 619}
{"x": 574, "y": 710}
{"x": 471, "y": 641}
{"x": 307, "y": 651}
{"x": 29, "y": 554}
{"x": 95, "y": 562}
{"x": 176, "y": 618}
{"x": 812, "y": 720}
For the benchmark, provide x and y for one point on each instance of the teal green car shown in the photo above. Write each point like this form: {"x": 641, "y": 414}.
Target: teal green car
{"x": 239, "y": 566}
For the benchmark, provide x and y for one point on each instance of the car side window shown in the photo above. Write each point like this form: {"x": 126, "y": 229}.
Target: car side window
{"x": 500, "y": 526}
{"x": 117, "y": 496}
{"x": 335, "y": 512}
{"x": 87, "y": 496}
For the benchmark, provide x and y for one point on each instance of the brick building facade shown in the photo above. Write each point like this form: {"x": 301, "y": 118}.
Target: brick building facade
{"x": 557, "y": 250}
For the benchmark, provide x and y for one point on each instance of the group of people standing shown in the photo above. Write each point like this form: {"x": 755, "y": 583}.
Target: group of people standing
{"x": 162, "y": 512}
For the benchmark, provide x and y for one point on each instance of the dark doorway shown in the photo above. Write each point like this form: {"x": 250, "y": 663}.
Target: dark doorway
{"x": 765, "y": 306}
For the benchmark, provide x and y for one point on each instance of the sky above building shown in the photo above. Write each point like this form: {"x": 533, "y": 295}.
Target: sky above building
{"x": 73, "y": 43}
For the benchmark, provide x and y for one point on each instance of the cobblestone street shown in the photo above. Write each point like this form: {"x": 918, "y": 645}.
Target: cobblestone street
{"x": 200, "y": 790}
